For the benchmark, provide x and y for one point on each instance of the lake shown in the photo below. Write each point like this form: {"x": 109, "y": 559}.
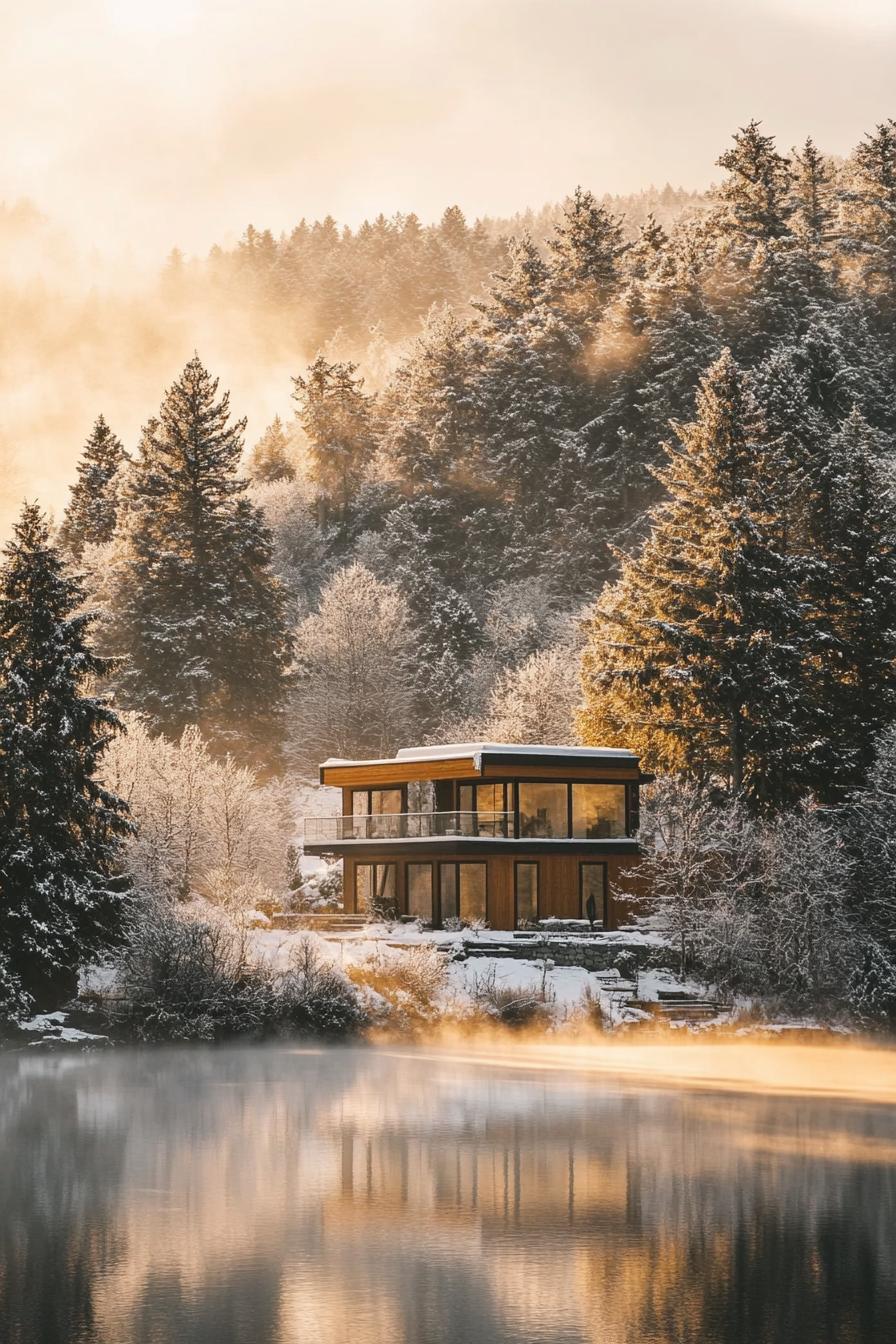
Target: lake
{"x": 272, "y": 1195}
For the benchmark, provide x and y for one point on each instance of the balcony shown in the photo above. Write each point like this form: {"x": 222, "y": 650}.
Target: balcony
{"x": 410, "y": 826}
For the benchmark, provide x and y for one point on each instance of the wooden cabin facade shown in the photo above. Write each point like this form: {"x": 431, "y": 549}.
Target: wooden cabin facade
{"x": 502, "y": 833}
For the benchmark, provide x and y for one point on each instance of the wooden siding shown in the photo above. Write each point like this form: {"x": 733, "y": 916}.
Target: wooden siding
{"x": 397, "y": 772}
{"x": 558, "y": 882}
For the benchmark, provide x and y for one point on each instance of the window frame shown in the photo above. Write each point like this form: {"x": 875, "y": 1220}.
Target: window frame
{"x": 599, "y": 784}
{"x": 605, "y": 912}
{"x": 457, "y": 864}
{"x": 434, "y": 891}
{"x": 517, "y": 812}
{"x": 374, "y": 864}
{"x": 526, "y": 863}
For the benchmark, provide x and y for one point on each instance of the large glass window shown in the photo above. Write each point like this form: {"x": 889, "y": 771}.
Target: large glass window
{"x": 375, "y": 888}
{"x": 543, "y": 810}
{"x": 598, "y": 811}
{"x": 376, "y": 814}
{"x": 420, "y": 890}
{"x": 448, "y": 891}
{"x": 593, "y": 887}
{"x": 471, "y": 891}
{"x": 484, "y": 808}
{"x": 526, "y": 893}
{"x": 491, "y": 806}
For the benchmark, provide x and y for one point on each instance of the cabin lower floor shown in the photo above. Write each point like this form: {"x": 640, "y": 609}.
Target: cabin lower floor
{"x": 505, "y": 891}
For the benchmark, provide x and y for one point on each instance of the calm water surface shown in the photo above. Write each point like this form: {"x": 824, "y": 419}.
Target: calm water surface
{"x": 264, "y": 1196}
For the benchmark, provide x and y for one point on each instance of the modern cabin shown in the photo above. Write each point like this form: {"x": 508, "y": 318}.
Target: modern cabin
{"x": 484, "y": 831}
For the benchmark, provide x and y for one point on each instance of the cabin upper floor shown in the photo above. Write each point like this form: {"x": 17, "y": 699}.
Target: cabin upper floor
{"x": 484, "y": 794}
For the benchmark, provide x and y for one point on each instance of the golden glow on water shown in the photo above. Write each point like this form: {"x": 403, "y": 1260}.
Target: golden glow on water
{"x": 550, "y": 1194}
{"x": 864, "y": 1072}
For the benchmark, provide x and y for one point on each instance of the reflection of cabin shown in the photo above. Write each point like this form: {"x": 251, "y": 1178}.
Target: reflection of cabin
{"x": 507, "y": 834}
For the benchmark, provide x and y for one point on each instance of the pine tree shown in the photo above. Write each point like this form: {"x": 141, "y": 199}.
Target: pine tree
{"x": 812, "y": 203}
{"x": 59, "y": 827}
{"x": 92, "y": 512}
{"x": 430, "y": 411}
{"x": 336, "y": 417}
{"x": 271, "y": 458}
{"x": 755, "y": 197}
{"x": 698, "y": 654}
{"x": 870, "y": 203}
{"x": 586, "y": 252}
{"x": 197, "y": 613}
{"x": 856, "y": 572}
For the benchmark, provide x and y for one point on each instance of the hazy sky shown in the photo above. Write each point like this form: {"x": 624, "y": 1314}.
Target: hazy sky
{"x": 179, "y": 121}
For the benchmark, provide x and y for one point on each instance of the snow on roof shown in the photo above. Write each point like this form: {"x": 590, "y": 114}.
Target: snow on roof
{"x": 451, "y": 750}
{"x": 503, "y": 749}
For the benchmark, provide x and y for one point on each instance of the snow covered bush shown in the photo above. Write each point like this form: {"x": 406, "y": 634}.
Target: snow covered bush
{"x": 189, "y": 976}
{"x": 320, "y": 891}
{"x": 202, "y": 824}
{"x": 405, "y": 987}
{"x": 511, "y": 1005}
{"x": 760, "y": 906}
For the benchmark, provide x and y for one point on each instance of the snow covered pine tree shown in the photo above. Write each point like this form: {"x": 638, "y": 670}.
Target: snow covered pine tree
{"x": 60, "y": 891}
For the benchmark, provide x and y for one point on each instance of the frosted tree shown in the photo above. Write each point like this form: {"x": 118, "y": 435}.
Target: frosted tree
{"x": 196, "y": 611}
{"x": 336, "y": 417}
{"x": 204, "y": 826}
{"x": 429, "y": 410}
{"x": 755, "y": 196}
{"x": 92, "y": 511}
{"x": 354, "y": 691}
{"x": 535, "y": 701}
{"x": 695, "y": 881}
{"x": 272, "y": 457}
{"x": 587, "y": 248}
{"x": 870, "y": 210}
{"x": 60, "y": 829}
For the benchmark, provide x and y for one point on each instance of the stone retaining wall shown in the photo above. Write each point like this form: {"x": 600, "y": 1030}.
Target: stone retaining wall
{"x": 594, "y": 956}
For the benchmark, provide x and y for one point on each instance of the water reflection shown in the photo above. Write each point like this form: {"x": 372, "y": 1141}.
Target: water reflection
{"x": 272, "y": 1196}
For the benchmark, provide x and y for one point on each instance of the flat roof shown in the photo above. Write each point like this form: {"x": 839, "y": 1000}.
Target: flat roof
{"x": 466, "y": 750}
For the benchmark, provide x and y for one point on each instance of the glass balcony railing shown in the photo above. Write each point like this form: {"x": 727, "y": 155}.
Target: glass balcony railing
{"x": 409, "y": 826}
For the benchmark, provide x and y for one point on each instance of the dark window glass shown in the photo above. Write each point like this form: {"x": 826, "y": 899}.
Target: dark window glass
{"x": 598, "y": 811}
{"x": 526, "y": 892}
{"x": 420, "y": 890}
{"x": 375, "y": 888}
{"x": 471, "y": 887}
{"x": 543, "y": 810}
{"x": 491, "y": 804}
{"x": 594, "y": 891}
{"x": 448, "y": 891}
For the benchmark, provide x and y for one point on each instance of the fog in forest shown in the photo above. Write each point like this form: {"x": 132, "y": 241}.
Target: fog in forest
{"x": 136, "y": 129}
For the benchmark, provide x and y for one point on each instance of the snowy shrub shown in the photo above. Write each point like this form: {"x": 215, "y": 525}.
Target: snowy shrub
{"x": 321, "y": 891}
{"x": 760, "y": 906}
{"x": 408, "y": 984}
{"x": 192, "y": 977}
{"x": 189, "y": 978}
{"x": 315, "y": 996}
{"x": 512, "y": 1005}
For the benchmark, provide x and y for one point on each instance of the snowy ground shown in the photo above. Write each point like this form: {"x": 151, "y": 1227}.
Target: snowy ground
{"x": 565, "y": 987}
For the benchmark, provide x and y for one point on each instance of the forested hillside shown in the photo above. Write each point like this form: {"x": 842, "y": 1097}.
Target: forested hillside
{"x": 619, "y": 480}
{"x": 454, "y": 503}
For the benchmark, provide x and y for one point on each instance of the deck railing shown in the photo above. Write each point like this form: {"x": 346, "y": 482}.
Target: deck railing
{"x": 409, "y": 826}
